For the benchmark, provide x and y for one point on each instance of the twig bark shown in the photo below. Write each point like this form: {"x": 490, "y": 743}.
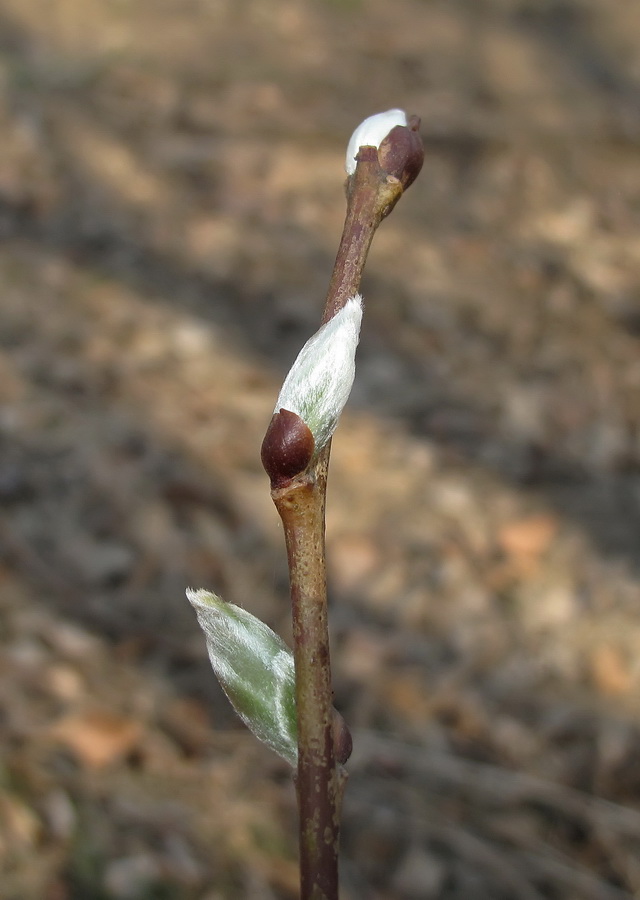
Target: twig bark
{"x": 318, "y": 782}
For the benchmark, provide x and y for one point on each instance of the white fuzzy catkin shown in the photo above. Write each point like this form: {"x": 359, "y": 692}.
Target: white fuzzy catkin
{"x": 371, "y": 133}
{"x": 320, "y": 381}
{"x": 255, "y": 669}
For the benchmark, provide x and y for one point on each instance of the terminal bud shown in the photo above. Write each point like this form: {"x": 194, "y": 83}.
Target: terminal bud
{"x": 401, "y": 153}
{"x": 397, "y": 140}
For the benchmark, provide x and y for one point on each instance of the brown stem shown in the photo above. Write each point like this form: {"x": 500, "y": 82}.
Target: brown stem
{"x": 371, "y": 195}
{"x": 301, "y": 507}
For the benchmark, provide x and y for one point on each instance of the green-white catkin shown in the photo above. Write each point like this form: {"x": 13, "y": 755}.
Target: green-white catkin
{"x": 320, "y": 381}
{"x": 255, "y": 669}
{"x": 371, "y": 133}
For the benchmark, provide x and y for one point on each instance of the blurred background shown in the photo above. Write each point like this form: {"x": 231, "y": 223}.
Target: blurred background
{"x": 171, "y": 199}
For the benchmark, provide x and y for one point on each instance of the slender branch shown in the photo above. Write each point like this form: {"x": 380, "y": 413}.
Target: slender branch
{"x": 371, "y": 195}
{"x": 372, "y": 192}
{"x": 301, "y": 508}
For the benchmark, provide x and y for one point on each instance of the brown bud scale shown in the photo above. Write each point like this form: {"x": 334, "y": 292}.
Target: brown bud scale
{"x": 342, "y": 740}
{"x": 287, "y": 448}
{"x": 401, "y": 153}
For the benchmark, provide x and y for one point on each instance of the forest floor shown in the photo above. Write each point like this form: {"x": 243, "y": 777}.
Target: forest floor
{"x": 171, "y": 199}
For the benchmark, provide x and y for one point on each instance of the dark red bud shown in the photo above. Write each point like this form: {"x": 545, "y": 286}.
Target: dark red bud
{"x": 342, "y": 740}
{"x": 401, "y": 153}
{"x": 287, "y": 448}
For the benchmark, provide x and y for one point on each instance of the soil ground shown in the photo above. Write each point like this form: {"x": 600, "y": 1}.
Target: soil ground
{"x": 171, "y": 198}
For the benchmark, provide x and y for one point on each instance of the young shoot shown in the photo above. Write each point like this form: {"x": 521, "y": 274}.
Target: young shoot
{"x": 285, "y": 699}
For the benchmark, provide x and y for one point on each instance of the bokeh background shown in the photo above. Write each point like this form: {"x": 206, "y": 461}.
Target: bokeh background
{"x": 171, "y": 199}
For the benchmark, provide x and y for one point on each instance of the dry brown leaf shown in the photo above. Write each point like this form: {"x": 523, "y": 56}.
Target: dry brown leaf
{"x": 406, "y": 695}
{"x": 525, "y": 541}
{"x": 19, "y": 825}
{"x": 610, "y": 671}
{"x": 188, "y": 723}
{"x": 97, "y": 737}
